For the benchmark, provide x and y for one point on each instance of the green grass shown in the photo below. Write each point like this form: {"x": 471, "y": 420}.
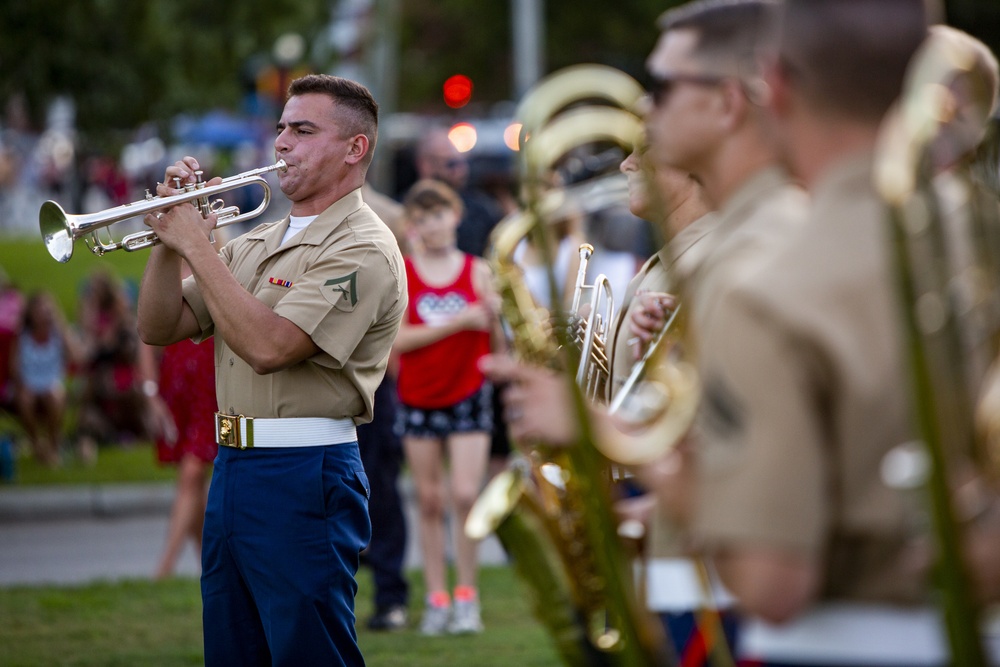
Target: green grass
{"x": 28, "y": 265}
{"x": 136, "y": 463}
{"x": 115, "y": 463}
{"x": 158, "y": 624}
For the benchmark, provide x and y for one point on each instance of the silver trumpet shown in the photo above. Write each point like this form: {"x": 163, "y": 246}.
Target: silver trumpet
{"x": 60, "y": 229}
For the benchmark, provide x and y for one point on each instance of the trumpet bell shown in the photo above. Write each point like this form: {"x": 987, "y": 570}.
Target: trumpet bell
{"x": 56, "y": 233}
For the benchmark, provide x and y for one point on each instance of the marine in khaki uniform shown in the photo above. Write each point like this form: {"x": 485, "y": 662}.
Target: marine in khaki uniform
{"x": 706, "y": 119}
{"x": 338, "y": 282}
{"x": 687, "y": 224}
{"x": 303, "y": 314}
{"x": 675, "y": 199}
{"x": 805, "y": 389}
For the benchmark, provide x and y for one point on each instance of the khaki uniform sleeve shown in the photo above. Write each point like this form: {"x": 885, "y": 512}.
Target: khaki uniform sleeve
{"x": 340, "y": 297}
{"x": 760, "y": 451}
{"x": 192, "y": 294}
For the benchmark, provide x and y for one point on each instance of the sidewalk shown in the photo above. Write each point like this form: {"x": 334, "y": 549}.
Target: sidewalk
{"x": 75, "y": 534}
{"x": 61, "y": 502}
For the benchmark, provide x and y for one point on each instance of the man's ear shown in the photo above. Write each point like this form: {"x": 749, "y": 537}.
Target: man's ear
{"x": 358, "y": 148}
{"x": 758, "y": 91}
{"x": 775, "y": 83}
{"x": 735, "y": 102}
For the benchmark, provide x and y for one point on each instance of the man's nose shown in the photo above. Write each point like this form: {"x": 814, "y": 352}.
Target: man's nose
{"x": 280, "y": 142}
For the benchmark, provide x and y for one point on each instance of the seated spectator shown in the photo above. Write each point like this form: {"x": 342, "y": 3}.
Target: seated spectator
{"x": 11, "y": 307}
{"x": 113, "y": 406}
{"x": 11, "y": 311}
{"x": 42, "y": 350}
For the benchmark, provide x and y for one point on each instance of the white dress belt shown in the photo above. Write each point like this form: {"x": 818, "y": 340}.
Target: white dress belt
{"x": 674, "y": 585}
{"x": 857, "y": 634}
{"x": 248, "y": 432}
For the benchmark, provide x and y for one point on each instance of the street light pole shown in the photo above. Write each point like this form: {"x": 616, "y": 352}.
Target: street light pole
{"x": 528, "y": 28}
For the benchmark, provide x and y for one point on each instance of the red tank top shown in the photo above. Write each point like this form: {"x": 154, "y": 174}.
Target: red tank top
{"x": 445, "y": 372}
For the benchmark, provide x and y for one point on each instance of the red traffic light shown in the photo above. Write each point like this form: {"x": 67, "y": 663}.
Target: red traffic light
{"x": 457, "y": 91}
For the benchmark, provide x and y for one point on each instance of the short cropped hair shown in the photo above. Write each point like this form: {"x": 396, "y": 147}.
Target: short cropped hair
{"x": 361, "y": 108}
{"x": 729, "y": 32}
{"x": 849, "y": 57}
{"x": 429, "y": 194}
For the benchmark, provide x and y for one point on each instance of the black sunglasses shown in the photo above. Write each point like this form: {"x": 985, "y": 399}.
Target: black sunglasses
{"x": 660, "y": 87}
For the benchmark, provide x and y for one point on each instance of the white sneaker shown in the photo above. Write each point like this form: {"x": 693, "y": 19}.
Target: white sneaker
{"x": 465, "y": 619}
{"x": 435, "y": 620}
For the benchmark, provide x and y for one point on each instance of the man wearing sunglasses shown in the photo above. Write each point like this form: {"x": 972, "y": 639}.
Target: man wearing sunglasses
{"x": 705, "y": 118}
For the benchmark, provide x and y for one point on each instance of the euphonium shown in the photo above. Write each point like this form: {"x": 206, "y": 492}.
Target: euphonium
{"x": 552, "y": 510}
{"x": 656, "y": 405}
{"x": 941, "y": 381}
{"x": 60, "y": 229}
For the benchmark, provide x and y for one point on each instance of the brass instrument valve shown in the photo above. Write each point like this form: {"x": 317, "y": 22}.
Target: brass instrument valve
{"x": 204, "y": 207}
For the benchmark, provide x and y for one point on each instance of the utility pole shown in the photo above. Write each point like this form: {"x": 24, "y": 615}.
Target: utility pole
{"x": 528, "y": 28}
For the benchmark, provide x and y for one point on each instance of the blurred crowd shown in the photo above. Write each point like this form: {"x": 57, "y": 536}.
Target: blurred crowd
{"x": 75, "y": 385}
{"x": 43, "y": 159}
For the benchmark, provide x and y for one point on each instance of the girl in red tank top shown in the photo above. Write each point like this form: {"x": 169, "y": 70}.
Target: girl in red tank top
{"x": 442, "y": 373}
{"x": 446, "y": 405}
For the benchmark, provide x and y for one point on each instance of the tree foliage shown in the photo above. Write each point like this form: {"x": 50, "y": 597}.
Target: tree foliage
{"x": 442, "y": 37}
{"x": 126, "y": 62}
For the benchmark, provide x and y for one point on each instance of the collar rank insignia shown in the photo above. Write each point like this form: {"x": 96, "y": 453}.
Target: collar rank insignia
{"x": 280, "y": 282}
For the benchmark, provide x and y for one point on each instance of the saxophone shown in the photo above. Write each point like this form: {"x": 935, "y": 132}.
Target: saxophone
{"x": 552, "y": 508}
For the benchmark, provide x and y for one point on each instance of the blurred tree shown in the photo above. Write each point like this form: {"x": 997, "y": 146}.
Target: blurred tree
{"x": 444, "y": 37}
{"x": 127, "y": 62}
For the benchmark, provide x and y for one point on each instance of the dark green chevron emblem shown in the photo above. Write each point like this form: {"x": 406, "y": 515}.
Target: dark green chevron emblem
{"x": 347, "y": 285}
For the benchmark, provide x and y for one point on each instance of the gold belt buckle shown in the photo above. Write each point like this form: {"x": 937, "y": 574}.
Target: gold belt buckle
{"x": 230, "y": 433}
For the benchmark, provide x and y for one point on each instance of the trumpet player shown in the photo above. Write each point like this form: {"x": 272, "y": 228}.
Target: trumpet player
{"x": 304, "y": 312}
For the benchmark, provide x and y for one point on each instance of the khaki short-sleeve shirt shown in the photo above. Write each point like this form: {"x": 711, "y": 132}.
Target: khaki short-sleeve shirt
{"x": 805, "y": 393}
{"x": 660, "y": 273}
{"x": 753, "y": 225}
{"x": 342, "y": 282}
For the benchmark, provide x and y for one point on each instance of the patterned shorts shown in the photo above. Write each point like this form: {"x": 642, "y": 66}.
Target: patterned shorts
{"x": 475, "y": 413}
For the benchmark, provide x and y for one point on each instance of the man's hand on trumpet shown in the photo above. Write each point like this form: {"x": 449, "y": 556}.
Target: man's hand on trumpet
{"x": 181, "y": 227}
{"x": 648, "y": 318}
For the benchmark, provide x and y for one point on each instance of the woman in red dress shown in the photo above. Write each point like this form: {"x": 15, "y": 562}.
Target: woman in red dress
{"x": 187, "y": 387}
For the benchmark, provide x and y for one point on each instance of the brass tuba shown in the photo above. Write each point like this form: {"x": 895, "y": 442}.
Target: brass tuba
{"x": 552, "y": 509}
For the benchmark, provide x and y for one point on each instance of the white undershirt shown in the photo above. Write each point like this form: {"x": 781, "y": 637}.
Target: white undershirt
{"x": 295, "y": 225}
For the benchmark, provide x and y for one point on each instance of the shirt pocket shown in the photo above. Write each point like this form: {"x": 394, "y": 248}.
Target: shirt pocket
{"x": 270, "y": 294}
